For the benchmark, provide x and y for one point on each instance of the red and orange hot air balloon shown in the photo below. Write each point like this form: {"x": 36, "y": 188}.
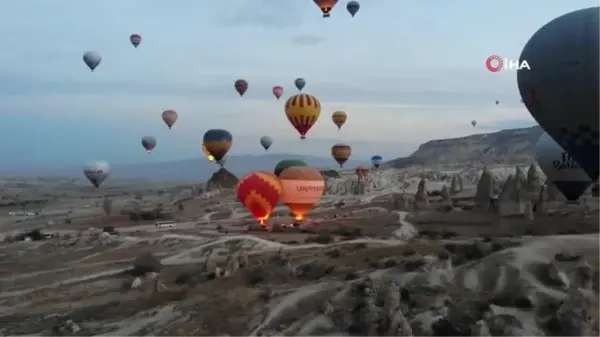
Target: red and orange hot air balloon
{"x": 326, "y": 6}
{"x": 303, "y": 187}
{"x": 259, "y": 191}
{"x": 303, "y": 111}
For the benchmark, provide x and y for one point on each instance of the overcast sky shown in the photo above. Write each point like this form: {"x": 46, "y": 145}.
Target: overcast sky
{"x": 405, "y": 71}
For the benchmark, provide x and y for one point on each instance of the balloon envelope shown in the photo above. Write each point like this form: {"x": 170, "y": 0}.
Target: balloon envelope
{"x": 92, "y": 59}
{"x": 97, "y": 172}
{"x": 207, "y": 154}
{"x": 135, "y": 39}
{"x": 302, "y": 189}
{"x": 362, "y": 171}
{"x": 241, "y": 86}
{"x": 287, "y": 163}
{"x": 266, "y": 142}
{"x": 560, "y": 168}
{"x": 473, "y": 123}
{"x": 300, "y": 83}
{"x": 277, "y": 91}
{"x": 339, "y": 118}
{"x": 302, "y": 111}
{"x": 561, "y": 89}
{"x": 326, "y": 6}
{"x": 218, "y": 142}
{"x": 353, "y": 7}
{"x": 169, "y": 117}
{"x": 259, "y": 191}
{"x": 341, "y": 153}
{"x": 376, "y": 160}
{"x": 149, "y": 143}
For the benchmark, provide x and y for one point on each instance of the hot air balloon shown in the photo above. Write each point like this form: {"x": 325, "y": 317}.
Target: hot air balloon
{"x": 361, "y": 172}
{"x": 302, "y": 111}
{"x": 259, "y": 191}
{"x": 339, "y": 118}
{"x": 135, "y": 39}
{"x": 560, "y": 168}
{"x": 497, "y": 102}
{"x": 207, "y": 154}
{"x": 266, "y": 142}
{"x": 300, "y": 83}
{"x": 92, "y": 59}
{"x": 561, "y": 88}
{"x": 326, "y": 6}
{"x": 352, "y": 7}
{"x": 149, "y": 143}
{"x": 97, "y": 172}
{"x": 169, "y": 117}
{"x": 473, "y": 123}
{"x": 287, "y": 163}
{"x": 341, "y": 153}
{"x": 241, "y": 86}
{"x": 218, "y": 142}
{"x": 302, "y": 189}
{"x": 376, "y": 160}
{"x": 277, "y": 91}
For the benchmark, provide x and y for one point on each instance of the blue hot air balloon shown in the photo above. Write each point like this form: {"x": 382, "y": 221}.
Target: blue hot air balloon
{"x": 217, "y": 142}
{"x": 561, "y": 87}
{"x": 352, "y": 7}
{"x": 376, "y": 160}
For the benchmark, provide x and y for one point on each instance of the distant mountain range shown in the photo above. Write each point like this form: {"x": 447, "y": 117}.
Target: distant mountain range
{"x": 197, "y": 169}
{"x": 512, "y": 146}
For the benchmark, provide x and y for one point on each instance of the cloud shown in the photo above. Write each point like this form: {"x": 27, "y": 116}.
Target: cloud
{"x": 307, "y": 40}
{"x": 263, "y": 13}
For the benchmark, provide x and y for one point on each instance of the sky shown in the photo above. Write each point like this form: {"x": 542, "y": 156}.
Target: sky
{"x": 405, "y": 72}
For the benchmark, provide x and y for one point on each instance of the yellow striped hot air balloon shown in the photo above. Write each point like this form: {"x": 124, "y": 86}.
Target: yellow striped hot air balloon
{"x": 302, "y": 111}
{"x": 341, "y": 153}
{"x": 339, "y": 118}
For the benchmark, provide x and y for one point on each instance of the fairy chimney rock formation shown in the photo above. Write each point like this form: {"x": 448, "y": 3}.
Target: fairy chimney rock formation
{"x": 485, "y": 189}
{"x": 528, "y": 212}
{"x": 454, "y": 187}
{"x": 421, "y": 195}
{"x": 533, "y": 179}
{"x": 445, "y": 192}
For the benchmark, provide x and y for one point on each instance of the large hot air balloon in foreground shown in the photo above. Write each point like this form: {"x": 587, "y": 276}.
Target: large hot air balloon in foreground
{"x": 135, "y": 39}
{"x": 326, "y": 6}
{"x": 561, "y": 88}
{"x": 92, "y": 59}
{"x": 217, "y": 142}
{"x": 376, "y": 160}
{"x": 300, "y": 83}
{"x": 560, "y": 169}
{"x": 149, "y": 143}
{"x": 352, "y": 7}
{"x": 97, "y": 172}
{"x": 339, "y": 118}
{"x": 302, "y": 189}
{"x": 341, "y": 153}
{"x": 169, "y": 117}
{"x": 287, "y": 163}
{"x": 241, "y": 86}
{"x": 302, "y": 111}
{"x": 266, "y": 142}
{"x": 277, "y": 91}
{"x": 207, "y": 154}
{"x": 260, "y": 192}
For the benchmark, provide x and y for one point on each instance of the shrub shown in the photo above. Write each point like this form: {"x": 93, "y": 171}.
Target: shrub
{"x": 146, "y": 263}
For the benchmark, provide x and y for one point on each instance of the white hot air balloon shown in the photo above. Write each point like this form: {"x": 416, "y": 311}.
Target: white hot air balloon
{"x": 92, "y": 59}
{"x": 97, "y": 172}
{"x": 561, "y": 88}
{"x": 560, "y": 168}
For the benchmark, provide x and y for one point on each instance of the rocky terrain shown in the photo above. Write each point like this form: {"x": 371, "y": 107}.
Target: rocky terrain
{"x": 438, "y": 251}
